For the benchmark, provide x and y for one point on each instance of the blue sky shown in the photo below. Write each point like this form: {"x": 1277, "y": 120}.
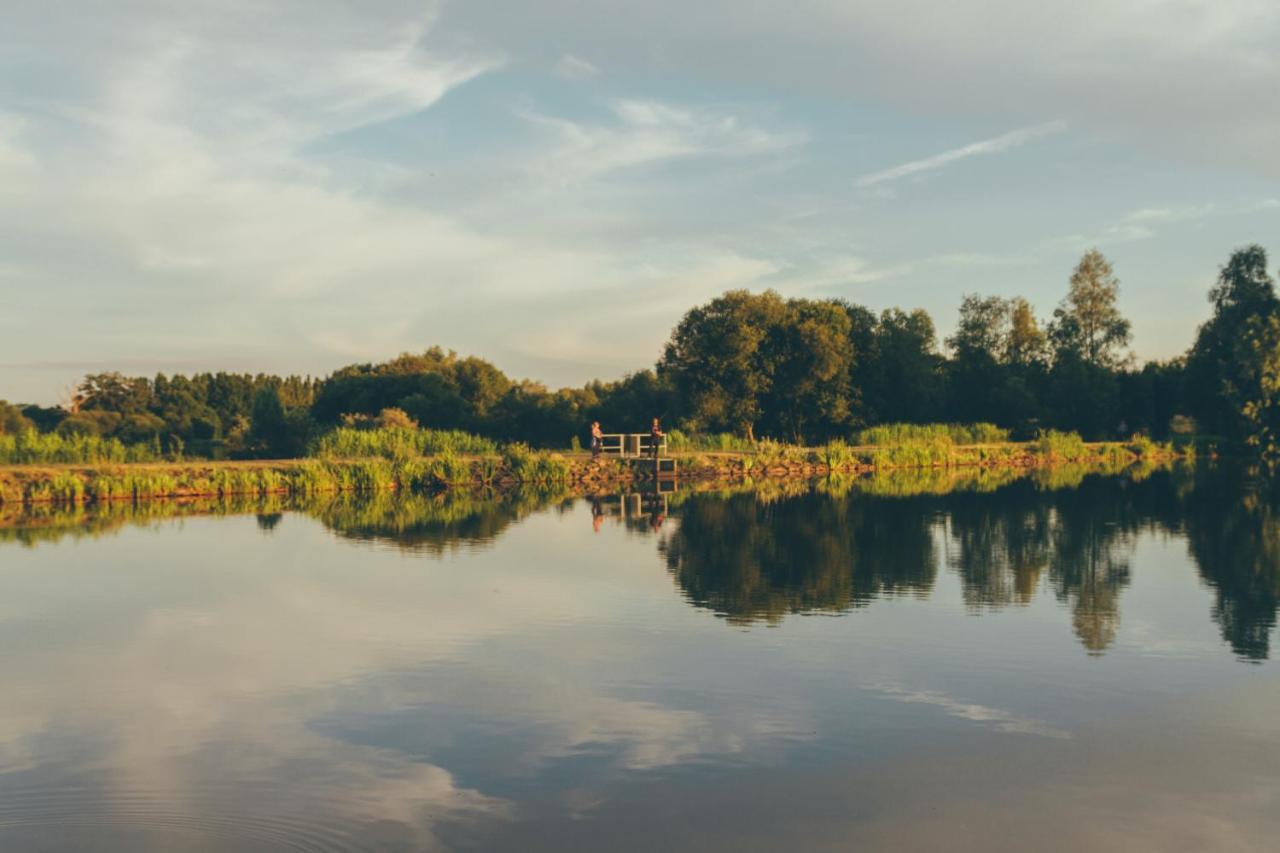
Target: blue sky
{"x": 293, "y": 186}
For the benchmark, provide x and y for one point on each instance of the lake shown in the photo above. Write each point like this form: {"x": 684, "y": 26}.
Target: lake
{"x": 981, "y": 661}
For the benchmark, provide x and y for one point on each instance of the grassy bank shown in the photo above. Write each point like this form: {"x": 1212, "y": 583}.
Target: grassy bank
{"x": 403, "y": 460}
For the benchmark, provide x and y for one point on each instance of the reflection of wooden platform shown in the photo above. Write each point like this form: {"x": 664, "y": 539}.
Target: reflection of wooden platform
{"x": 664, "y": 467}
{"x": 634, "y": 504}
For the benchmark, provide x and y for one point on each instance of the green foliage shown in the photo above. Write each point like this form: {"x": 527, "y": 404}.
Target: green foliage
{"x": 1222, "y": 364}
{"x": 890, "y": 434}
{"x": 532, "y": 466}
{"x": 32, "y": 448}
{"x": 838, "y": 455}
{"x": 1260, "y": 381}
{"x": 13, "y": 421}
{"x": 679, "y": 441}
{"x": 1087, "y": 325}
{"x": 1052, "y": 444}
{"x": 397, "y": 443}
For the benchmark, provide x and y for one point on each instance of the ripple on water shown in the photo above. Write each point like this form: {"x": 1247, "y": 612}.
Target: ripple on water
{"x": 87, "y": 817}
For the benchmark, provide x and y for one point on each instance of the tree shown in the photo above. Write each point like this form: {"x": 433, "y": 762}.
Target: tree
{"x": 976, "y": 372}
{"x": 903, "y": 380}
{"x": 1218, "y": 367}
{"x": 811, "y": 359}
{"x": 1025, "y": 344}
{"x": 12, "y": 420}
{"x": 1259, "y": 390}
{"x": 717, "y": 360}
{"x": 1087, "y": 325}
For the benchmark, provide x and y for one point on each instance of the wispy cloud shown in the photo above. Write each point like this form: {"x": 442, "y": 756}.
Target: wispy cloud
{"x": 645, "y": 131}
{"x": 996, "y": 718}
{"x": 573, "y": 67}
{"x": 995, "y": 145}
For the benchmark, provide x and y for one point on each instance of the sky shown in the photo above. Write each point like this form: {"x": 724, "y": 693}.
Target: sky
{"x": 291, "y": 187}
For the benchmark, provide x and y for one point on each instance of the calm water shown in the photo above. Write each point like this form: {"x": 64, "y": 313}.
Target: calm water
{"x": 1067, "y": 664}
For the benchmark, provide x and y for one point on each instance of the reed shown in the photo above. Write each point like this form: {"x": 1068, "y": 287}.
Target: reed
{"x": 34, "y": 448}
{"x": 898, "y": 434}
{"x": 397, "y": 443}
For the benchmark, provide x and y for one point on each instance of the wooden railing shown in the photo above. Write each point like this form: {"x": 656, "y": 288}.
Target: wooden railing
{"x": 630, "y": 444}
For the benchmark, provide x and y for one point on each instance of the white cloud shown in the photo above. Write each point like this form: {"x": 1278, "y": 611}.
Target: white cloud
{"x": 998, "y": 719}
{"x": 645, "y": 132}
{"x": 1191, "y": 78}
{"x": 575, "y": 67}
{"x": 995, "y": 145}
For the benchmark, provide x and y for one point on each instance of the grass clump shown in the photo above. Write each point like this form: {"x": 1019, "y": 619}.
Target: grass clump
{"x": 1052, "y": 444}
{"x": 34, "y": 448}
{"x": 720, "y": 442}
{"x": 891, "y": 434}
{"x": 534, "y": 466}
{"x": 397, "y": 443}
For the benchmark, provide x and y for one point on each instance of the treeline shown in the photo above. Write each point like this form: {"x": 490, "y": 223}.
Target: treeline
{"x": 754, "y": 365}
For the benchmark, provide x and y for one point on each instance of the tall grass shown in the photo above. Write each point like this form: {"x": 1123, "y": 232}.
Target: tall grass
{"x": 887, "y": 434}
{"x": 708, "y": 443}
{"x": 534, "y": 466}
{"x": 398, "y": 443}
{"x": 34, "y": 448}
{"x": 1052, "y": 444}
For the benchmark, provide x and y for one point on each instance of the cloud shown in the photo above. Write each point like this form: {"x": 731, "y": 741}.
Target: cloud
{"x": 575, "y": 67}
{"x": 998, "y": 719}
{"x": 995, "y": 145}
{"x": 1187, "y": 78}
{"x": 646, "y": 131}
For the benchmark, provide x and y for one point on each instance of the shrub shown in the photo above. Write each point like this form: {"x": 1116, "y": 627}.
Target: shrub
{"x": 1052, "y": 444}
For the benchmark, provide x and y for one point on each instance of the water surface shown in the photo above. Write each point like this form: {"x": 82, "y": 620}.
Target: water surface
{"x": 964, "y": 662}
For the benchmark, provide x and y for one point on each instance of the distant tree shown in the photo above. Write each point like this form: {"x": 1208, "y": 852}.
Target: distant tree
{"x": 864, "y": 345}
{"x": 1258, "y": 366}
{"x": 718, "y": 360}
{"x": 811, "y": 356}
{"x": 1222, "y": 363}
{"x": 903, "y": 382}
{"x": 1087, "y": 325}
{"x": 113, "y": 392}
{"x": 395, "y": 419}
{"x": 12, "y": 420}
{"x": 977, "y": 374}
{"x": 1026, "y": 343}
{"x": 983, "y": 328}
{"x": 45, "y": 418}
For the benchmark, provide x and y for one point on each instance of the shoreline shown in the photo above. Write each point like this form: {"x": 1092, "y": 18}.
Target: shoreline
{"x": 99, "y": 483}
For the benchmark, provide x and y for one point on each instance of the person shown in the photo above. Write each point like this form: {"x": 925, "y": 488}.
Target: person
{"x": 597, "y": 514}
{"x": 655, "y": 438}
{"x": 597, "y": 439}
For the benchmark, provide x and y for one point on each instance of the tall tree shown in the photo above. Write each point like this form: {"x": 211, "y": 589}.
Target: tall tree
{"x": 903, "y": 381}
{"x": 1087, "y": 325}
{"x": 717, "y": 359}
{"x": 811, "y": 356}
{"x": 1219, "y": 369}
{"x": 1026, "y": 342}
{"x": 1259, "y": 389}
{"x": 976, "y": 372}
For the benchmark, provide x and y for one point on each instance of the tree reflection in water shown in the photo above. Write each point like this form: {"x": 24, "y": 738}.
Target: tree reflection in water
{"x": 753, "y": 558}
{"x": 759, "y": 553}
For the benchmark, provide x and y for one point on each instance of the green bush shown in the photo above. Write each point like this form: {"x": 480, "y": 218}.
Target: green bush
{"x": 1052, "y": 444}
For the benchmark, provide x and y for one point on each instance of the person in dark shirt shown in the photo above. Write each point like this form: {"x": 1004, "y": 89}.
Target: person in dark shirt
{"x": 597, "y": 439}
{"x": 655, "y": 438}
